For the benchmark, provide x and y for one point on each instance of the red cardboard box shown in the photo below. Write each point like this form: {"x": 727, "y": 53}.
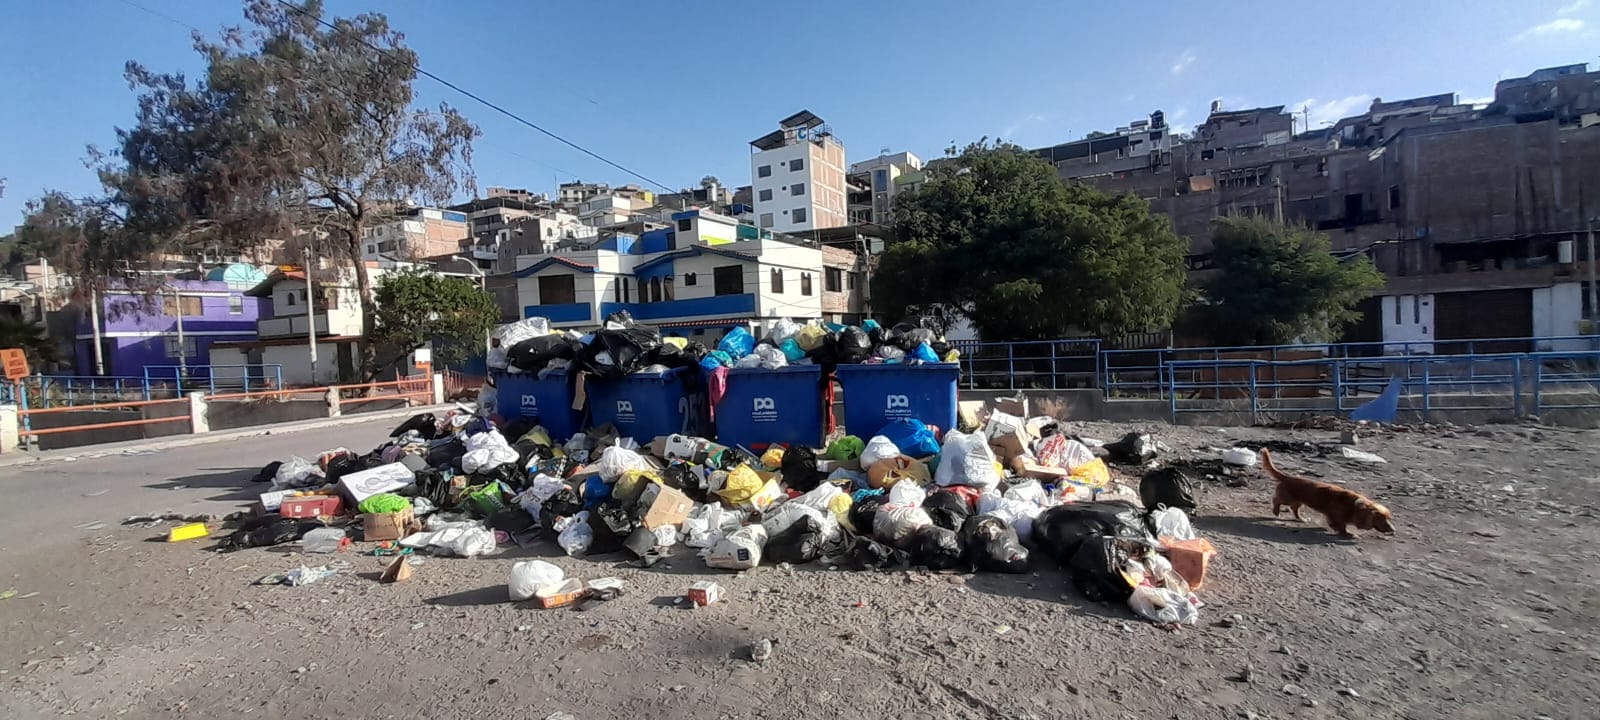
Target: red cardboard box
{"x": 310, "y": 506}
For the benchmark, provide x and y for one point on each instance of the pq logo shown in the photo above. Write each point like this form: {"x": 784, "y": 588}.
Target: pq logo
{"x": 624, "y": 406}
{"x": 530, "y": 402}
{"x": 897, "y": 406}
{"x": 765, "y": 409}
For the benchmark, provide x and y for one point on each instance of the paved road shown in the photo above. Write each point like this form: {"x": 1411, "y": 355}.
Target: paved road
{"x": 43, "y": 501}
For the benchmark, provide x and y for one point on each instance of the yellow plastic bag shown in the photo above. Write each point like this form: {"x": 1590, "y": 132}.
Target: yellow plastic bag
{"x": 773, "y": 457}
{"x": 677, "y": 342}
{"x": 953, "y": 356}
{"x": 631, "y": 485}
{"x": 1092, "y": 474}
{"x": 538, "y": 436}
{"x": 840, "y": 507}
{"x": 742, "y": 486}
{"x": 810, "y": 337}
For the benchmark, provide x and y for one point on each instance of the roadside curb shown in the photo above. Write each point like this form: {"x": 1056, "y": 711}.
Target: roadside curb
{"x": 90, "y": 452}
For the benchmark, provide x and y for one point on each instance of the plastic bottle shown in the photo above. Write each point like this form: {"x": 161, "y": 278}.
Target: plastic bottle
{"x": 322, "y": 540}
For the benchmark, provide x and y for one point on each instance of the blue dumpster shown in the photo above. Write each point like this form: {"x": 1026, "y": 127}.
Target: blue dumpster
{"x": 644, "y": 406}
{"x": 876, "y": 395}
{"x": 547, "y": 402}
{"x": 772, "y": 406}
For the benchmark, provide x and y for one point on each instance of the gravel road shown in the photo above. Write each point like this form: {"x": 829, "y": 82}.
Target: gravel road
{"x": 1480, "y": 606}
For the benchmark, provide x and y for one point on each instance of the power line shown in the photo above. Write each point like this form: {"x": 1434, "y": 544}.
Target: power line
{"x": 158, "y": 14}
{"x": 488, "y": 104}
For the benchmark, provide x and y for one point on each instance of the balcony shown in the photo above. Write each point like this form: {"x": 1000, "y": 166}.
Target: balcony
{"x": 561, "y": 313}
{"x": 289, "y": 326}
{"x": 708, "y": 307}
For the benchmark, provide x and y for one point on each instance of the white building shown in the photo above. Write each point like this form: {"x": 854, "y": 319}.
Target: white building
{"x": 696, "y": 283}
{"x": 884, "y": 177}
{"x": 797, "y": 175}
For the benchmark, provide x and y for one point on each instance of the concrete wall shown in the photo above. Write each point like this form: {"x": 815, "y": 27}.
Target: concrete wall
{"x": 1557, "y": 312}
{"x": 1407, "y": 319}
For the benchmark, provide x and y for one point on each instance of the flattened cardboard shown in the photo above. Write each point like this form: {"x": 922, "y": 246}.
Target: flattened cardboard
{"x": 670, "y": 508}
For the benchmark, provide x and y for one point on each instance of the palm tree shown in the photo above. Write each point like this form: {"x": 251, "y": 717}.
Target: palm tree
{"x": 31, "y": 339}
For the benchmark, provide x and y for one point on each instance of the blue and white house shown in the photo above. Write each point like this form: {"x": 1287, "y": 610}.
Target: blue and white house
{"x": 697, "y": 279}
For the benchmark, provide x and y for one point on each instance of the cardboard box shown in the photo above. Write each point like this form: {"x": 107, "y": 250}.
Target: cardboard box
{"x": 384, "y": 478}
{"x": 969, "y": 415}
{"x": 705, "y": 593}
{"x": 670, "y": 508}
{"x": 376, "y": 527}
{"x": 1045, "y": 473}
{"x": 567, "y": 593}
{"x": 1008, "y": 435}
{"x": 310, "y": 506}
{"x": 1017, "y": 406}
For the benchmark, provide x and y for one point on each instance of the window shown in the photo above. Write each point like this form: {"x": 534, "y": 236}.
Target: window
{"x": 372, "y": 249}
{"x": 777, "y": 281}
{"x": 189, "y": 347}
{"x": 728, "y": 280}
{"x": 764, "y": 171}
{"x": 797, "y": 189}
{"x": 880, "y": 180}
{"x": 288, "y": 300}
{"x": 189, "y": 304}
{"x": 386, "y": 246}
{"x": 1397, "y": 309}
{"x": 655, "y": 289}
{"x": 557, "y": 290}
{"x": 1416, "y": 309}
{"x": 627, "y": 290}
{"x": 685, "y": 225}
{"x": 833, "y": 280}
{"x": 666, "y": 288}
{"x": 688, "y": 279}
{"x": 852, "y": 281}
{"x": 1394, "y": 196}
{"x": 805, "y": 284}
{"x": 797, "y": 164}
{"x": 799, "y": 215}
{"x": 235, "y": 304}
{"x": 766, "y": 195}
{"x": 766, "y": 220}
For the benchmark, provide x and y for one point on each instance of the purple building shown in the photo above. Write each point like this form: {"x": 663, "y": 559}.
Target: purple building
{"x": 137, "y": 331}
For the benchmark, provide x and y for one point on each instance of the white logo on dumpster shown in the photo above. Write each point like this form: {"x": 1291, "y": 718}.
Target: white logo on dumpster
{"x": 765, "y": 410}
{"x": 625, "y": 411}
{"x": 897, "y": 406}
{"x": 530, "y": 402}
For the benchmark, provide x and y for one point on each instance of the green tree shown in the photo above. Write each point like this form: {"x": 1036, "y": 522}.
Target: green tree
{"x": 416, "y": 308}
{"x": 997, "y": 238}
{"x": 298, "y": 130}
{"x": 1277, "y": 284}
{"x": 31, "y": 338}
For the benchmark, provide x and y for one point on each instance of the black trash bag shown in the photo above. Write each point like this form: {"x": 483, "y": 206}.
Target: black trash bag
{"x": 1096, "y": 569}
{"x": 864, "y": 512}
{"x": 626, "y": 350}
{"x": 341, "y": 465}
{"x": 936, "y": 548}
{"x": 668, "y": 355}
{"x": 268, "y": 473}
{"x": 424, "y": 424}
{"x": 534, "y": 354}
{"x": 445, "y": 453}
{"x": 557, "y": 467}
{"x": 827, "y": 353}
{"x": 949, "y": 510}
{"x": 868, "y": 554}
{"x": 266, "y": 531}
{"x": 513, "y": 520}
{"x": 910, "y": 338}
{"x": 880, "y": 336}
{"x": 565, "y": 503}
{"x": 1132, "y": 449}
{"x": 530, "y": 451}
{"x": 611, "y": 526}
{"x": 507, "y": 474}
{"x": 799, "y": 469}
{"x": 1058, "y": 531}
{"x": 621, "y": 317}
{"x": 800, "y": 543}
{"x": 853, "y": 346}
{"x": 940, "y": 347}
{"x": 1168, "y": 486}
{"x": 992, "y": 545}
{"x": 433, "y": 485}
{"x": 686, "y": 477}
{"x": 517, "y": 427}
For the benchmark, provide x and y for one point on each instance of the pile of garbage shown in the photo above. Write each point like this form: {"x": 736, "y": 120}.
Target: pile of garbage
{"x": 992, "y": 500}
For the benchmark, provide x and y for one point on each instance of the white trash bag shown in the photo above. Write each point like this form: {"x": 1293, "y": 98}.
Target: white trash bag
{"x": 1172, "y": 523}
{"x": 529, "y": 576}
{"x": 296, "y": 472}
{"x": 879, "y": 448}
{"x": 617, "y": 460}
{"x": 576, "y": 538}
{"x": 739, "y": 550}
{"x": 487, "y": 451}
{"x": 967, "y": 460}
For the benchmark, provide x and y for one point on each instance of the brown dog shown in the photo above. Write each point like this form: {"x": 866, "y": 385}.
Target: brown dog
{"x": 1342, "y": 507}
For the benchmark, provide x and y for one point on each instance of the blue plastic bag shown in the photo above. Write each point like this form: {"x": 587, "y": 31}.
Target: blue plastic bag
{"x": 715, "y": 359}
{"x": 913, "y": 437}
{"x": 791, "y": 350}
{"x": 869, "y": 325}
{"x": 595, "y": 491}
{"x": 737, "y": 343}
{"x": 924, "y": 353}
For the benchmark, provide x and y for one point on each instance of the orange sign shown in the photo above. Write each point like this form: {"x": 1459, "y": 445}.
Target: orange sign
{"x": 15, "y": 362}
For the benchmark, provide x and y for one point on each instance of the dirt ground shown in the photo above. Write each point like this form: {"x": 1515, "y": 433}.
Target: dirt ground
{"x": 1482, "y": 605}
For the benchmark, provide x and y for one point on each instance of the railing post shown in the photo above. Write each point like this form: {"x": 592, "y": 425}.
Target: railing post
{"x": 1338, "y": 384}
{"x": 332, "y": 398}
{"x": 1254, "y": 405}
{"x": 438, "y": 388}
{"x": 1054, "y": 369}
{"x": 1538, "y": 381}
{"x": 1171, "y": 390}
{"x": 1011, "y": 365}
{"x": 1427, "y": 401}
{"x": 198, "y": 422}
{"x": 1516, "y": 386}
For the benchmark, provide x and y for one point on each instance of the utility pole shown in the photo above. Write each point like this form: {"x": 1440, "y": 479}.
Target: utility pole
{"x": 1277, "y": 198}
{"x": 311, "y": 313}
{"x": 1594, "y": 292}
{"x": 94, "y": 320}
{"x": 183, "y": 353}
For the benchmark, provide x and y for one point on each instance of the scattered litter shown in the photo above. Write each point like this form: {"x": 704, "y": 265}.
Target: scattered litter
{"x": 1350, "y": 453}
{"x": 306, "y": 575}
{"x": 97, "y": 493}
{"x": 761, "y": 650}
{"x": 1239, "y": 457}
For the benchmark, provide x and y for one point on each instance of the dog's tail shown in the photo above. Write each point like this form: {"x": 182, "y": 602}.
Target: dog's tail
{"x": 1272, "y": 470}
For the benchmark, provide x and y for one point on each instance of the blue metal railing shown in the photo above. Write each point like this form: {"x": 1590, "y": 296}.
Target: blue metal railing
{"x": 210, "y": 377}
{"x": 1042, "y": 364}
{"x": 1496, "y": 382}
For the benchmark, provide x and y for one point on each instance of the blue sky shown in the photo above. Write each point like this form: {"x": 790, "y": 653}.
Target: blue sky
{"x": 676, "y": 90}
